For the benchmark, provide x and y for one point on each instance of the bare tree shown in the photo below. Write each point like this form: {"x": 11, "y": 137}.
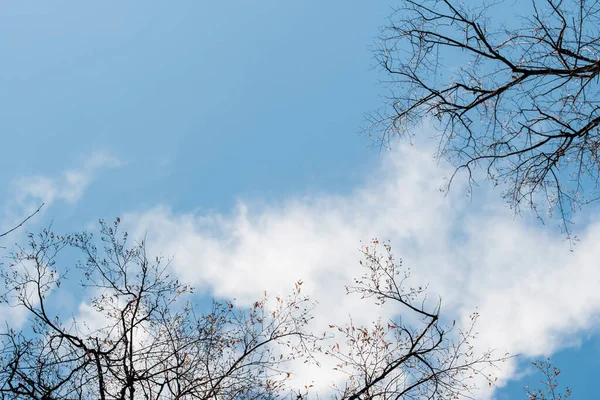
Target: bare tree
{"x": 421, "y": 359}
{"x": 146, "y": 340}
{"x": 518, "y": 96}
{"x": 148, "y": 343}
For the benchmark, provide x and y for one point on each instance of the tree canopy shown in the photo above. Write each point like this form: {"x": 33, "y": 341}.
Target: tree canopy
{"x": 148, "y": 340}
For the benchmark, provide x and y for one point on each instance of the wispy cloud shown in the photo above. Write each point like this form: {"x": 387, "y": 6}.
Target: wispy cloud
{"x": 27, "y": 193}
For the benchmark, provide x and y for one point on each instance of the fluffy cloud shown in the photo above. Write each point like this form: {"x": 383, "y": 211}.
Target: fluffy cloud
{"x": 533, "y": 294}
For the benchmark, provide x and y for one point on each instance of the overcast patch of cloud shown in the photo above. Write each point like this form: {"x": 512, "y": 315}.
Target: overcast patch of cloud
{"x": 533, "y": 294}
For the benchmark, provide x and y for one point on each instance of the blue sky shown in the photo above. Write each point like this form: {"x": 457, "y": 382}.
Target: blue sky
{"x": 247, "y": 114}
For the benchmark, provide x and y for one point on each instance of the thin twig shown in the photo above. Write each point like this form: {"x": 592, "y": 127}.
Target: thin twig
{"x": 23, "y": 222}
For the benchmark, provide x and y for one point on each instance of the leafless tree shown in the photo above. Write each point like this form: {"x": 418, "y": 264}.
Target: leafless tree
{"x": 517, "y": 96}
{"x": 421, "y": 359}
{"x": 142, "y": 337}
{"x": 148, "y": 343}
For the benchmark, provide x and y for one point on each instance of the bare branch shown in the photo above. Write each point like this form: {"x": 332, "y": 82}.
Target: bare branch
{"x": 520, "y": 99}
{"x": 23, "y": 222}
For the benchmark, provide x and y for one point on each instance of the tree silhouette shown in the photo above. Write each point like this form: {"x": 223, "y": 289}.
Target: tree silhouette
{"x": 143, "y": 338}
{"x": 518, "y": 96}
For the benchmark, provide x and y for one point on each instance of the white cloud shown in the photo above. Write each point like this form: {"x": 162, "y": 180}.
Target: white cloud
{"x": 534, "y": 296}
{"x": 27, "y": 193}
